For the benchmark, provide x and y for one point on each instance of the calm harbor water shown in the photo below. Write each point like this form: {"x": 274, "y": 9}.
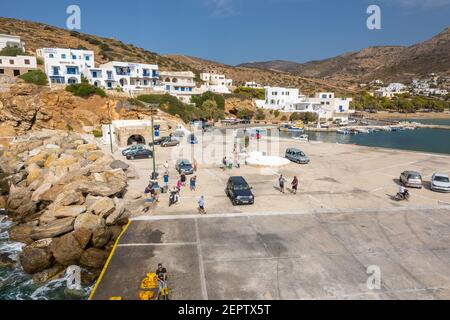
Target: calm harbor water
{"x": 424, "y": 140}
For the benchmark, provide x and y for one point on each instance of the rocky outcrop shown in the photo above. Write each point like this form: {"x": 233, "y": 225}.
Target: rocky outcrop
{"x": 66, "y": 201}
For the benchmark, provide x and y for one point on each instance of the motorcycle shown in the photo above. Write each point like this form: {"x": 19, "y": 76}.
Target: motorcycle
{"x": 402, "y": 197}
{"x": 173, "y": 198}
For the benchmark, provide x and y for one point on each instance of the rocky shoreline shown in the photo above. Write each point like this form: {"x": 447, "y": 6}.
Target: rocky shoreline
{"x": 66, "y": 203}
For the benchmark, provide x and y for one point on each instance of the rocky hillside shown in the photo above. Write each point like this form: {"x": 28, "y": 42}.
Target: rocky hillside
{"x": 38, "y": 35}
{"x": 27, "y": 107}
{"x": 69, "y": 202}
{"x": 242, "y": 74}
{"x": 388, "y": 63}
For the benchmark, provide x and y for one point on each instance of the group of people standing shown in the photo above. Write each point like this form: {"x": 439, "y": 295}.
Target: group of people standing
{"x": 282, "y": 180}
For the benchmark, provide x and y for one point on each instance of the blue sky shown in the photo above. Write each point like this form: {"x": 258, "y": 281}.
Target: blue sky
{"x": 235, "y": 31}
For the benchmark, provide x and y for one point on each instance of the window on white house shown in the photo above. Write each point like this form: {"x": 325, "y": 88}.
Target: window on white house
{"x": 27, "y": 61}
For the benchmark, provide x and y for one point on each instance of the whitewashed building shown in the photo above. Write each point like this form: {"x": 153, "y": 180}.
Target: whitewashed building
{"x": 392, "y": 90}
{"x": 253, "y": 85}
{"x": 180, "y": 84}
{"x": 278, "y": 98}
{"x": 65, "y": 66}
{"x": 11, "y": 41}
{"x": 325, "y": 104}
{"x": 128, "y": 76}
{"x": 217, "y": 83}
{"x": 16, "y": 66}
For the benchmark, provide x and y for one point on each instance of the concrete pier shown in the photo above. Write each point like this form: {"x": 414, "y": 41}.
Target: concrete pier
{"x": 317, "y": 244}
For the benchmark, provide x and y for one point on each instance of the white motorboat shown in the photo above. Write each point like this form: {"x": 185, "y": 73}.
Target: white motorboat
{"x": 303, "y": 137}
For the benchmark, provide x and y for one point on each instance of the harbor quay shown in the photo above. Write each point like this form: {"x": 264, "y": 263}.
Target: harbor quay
{"x": 321, "y": 243}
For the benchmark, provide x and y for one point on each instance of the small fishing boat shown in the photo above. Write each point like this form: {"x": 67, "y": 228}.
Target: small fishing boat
{"x": 303, "y": 137}
{"x": 363, "y": 130}
{"x": 291, "y": 128}
{"x": 343, "y": 131}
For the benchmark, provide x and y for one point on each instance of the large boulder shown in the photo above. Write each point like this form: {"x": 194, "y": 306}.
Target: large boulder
{"x": 103, "y": 189}
{"x": 34, "y": 172}
{"x": 94, "y": 258}
{"x": 22, "y": 233}
{"x": 117, "y": 164}
{"x": 118, "y": 214}
{"x": 102, "y": 206}
{"x": 53, "y": 229}
{"x": 70, "y": 211}
{"x": 67, "y": 250}
{"x": 37, "y": 195}
{"x": 101, "y": 237}
{"x": 88, "y": 221}
{"x": 69, "y": 198}
{"x": 49, "y": 274}
{"x": 35, "y": 259}
{"x": 83, "y": 237}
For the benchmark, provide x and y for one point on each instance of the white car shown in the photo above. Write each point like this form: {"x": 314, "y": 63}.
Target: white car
{"x": 440, "y": 182}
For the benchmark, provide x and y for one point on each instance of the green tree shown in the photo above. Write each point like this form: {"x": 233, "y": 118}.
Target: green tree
{"x": 209, "y": 108}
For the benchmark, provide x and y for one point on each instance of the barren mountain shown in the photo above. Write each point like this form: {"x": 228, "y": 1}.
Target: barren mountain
{"x": 39, "y": 35}
{"x": 388, "y": 63}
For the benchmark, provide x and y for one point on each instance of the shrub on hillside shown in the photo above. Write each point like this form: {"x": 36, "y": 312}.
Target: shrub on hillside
{"x": 199, "y": 100}
{"x": 251, "y": 93}
{"x": 36, "y": 77}
{"x": 12, "y": 52}
{"x": 85, "y": 90}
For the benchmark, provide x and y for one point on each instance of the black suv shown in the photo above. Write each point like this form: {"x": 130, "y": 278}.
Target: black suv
{"x": 139, "y": 154}
{"x": 239, "y": 191}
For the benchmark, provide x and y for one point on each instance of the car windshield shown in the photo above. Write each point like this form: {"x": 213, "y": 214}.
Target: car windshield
{"x": 241, "y": 187}
{"x": 184, "y": 164}
{"x": 441, "y": 179}
{"x": 300, "y": 154}
{"x": 414, "y": 177}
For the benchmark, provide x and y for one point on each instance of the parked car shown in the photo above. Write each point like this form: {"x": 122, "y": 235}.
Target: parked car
{"x": 192, "y": 139}
{"x": 159, "y": 141}
{"x": 172, "y": 142}
{"x": 440, "y": 182}
{"x": 139, "y": 154}
{"x": 239, "y": 191}
{"x": 411, "y": 179}
{"x": 296, "y": 155}
{"x": 184, "y": 166}
{"x": 133, "y": 149}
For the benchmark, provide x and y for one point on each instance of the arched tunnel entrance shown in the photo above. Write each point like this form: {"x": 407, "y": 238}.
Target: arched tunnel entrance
{"x": 136, "y": 139}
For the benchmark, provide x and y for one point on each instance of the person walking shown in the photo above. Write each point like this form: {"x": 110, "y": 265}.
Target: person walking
{"x": 166, "y": 180}
{"x": 195, "y": 164}
{"x": 193, "y": 183}
{"x": 161, "y": 274}
{"x": 183, "y": 179}
{"x": 201, "y": 205}
{"x": 166, "y": 166}
{"x": 281, "y": 182}
{"x": 295, "y": 185}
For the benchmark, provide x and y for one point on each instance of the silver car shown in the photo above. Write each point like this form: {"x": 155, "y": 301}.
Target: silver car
{"x": 440, "y": 182}
{"x": 411, "y": 179}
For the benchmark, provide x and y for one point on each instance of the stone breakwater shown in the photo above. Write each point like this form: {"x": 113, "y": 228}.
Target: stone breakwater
{"x": 66, "y": 203}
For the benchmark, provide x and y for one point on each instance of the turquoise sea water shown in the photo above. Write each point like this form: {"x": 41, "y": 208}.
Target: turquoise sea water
{"x": 424, "y": 140}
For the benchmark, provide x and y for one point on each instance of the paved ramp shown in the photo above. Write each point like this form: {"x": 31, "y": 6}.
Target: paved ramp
{"x": 287, "y": 256}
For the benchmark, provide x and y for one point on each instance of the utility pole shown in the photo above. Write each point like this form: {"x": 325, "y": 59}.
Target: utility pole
{"x": 110, "y": 127}
{"x": 154, "y": 174}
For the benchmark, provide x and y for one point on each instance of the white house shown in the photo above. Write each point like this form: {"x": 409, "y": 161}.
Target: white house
{"x": 180, "y": 84}
{"x": 278, "y": 98}
{"x": 252, "y": 85}
{"x": 325, "y": 104}
{"x": 16, "y": 66}
{"x": 125, "y": 75}
{"x": 7, "y": 40}
{"x": 217, "y": 83}
{"x": 332, "y": 107}
{"x": 65, "y": 66}
{"x": 391, "y": 90}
